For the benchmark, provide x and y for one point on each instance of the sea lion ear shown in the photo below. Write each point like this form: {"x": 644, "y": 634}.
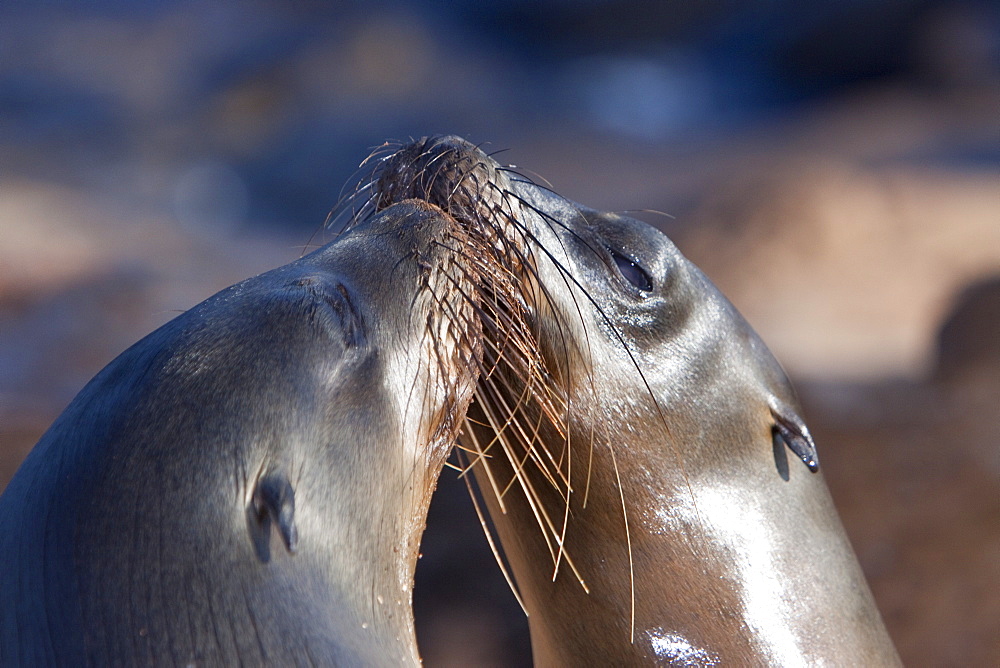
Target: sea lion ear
{"x": 794, "y": 432}
{"x": 273, "y": 502}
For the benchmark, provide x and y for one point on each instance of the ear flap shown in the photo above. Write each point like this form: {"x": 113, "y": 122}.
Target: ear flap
{"x": 794, "y": 432}
{"x": 273, "y": 502}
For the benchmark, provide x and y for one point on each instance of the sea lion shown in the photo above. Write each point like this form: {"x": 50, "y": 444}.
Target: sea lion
{"x": 248, "y": 484}
{"x": 633, "y": 460}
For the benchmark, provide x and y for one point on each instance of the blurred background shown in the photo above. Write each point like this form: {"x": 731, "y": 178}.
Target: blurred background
{"x": 833, "y": 166}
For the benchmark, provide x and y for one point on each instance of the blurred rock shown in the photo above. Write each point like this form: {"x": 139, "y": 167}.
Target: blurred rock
{"x": 846, "y": 270}
{"x": 917, "y": 482}
{"x": 969, "y": 340}
{"x": 81, "y": 279}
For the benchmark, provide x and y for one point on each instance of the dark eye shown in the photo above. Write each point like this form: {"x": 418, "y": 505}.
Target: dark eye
{"x": 632, "y": 272}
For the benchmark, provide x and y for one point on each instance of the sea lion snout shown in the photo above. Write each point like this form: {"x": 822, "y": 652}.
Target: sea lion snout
{"x": 432, "y": 169}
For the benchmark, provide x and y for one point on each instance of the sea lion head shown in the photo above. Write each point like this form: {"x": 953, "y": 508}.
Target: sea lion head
{"x": 631, "y": 446}
{"x": 249, "y": 483}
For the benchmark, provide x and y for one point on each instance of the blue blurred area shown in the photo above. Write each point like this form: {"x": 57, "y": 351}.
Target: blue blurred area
{"x": 286, "y": 97}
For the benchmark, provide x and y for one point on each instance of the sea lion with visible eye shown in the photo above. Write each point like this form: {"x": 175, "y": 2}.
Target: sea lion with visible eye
{"x": 248, "y": 484}
{"x": 633, "y": 459}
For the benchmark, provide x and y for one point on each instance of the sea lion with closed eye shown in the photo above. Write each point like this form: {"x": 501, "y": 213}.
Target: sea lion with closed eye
{"x": 633, "y": 458}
